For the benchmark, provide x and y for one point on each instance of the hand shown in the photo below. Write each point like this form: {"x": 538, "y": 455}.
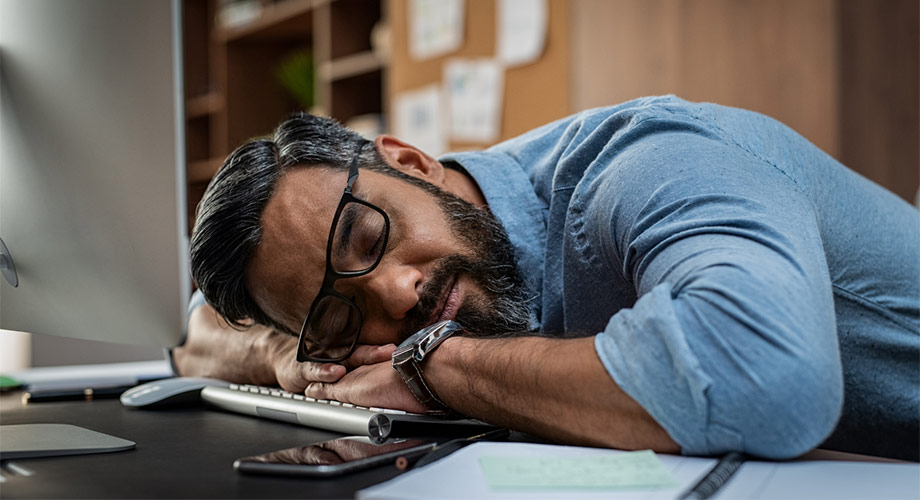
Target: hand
{"x": 370, "y": 385}
{"x": 257, "y": 355}
{"x": 294, "y": 376}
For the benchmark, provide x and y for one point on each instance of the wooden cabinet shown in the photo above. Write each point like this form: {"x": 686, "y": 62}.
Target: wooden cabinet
{"x": 232, "y": 84}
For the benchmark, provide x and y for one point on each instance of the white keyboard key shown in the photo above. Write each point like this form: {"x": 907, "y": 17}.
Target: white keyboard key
{"x": 323, "y": 401}
{"x": 348, "y": 405}
{"x": 392, "y": 411}
{"x": 287, "y": 395}
{"x": 335, "y": 403}
{"x": 308, "y": 398}
{"x": 299, "y": 397}
{"x": 235, "y": 387}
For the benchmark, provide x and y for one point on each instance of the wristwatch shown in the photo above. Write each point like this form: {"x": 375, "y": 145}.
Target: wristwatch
{"x": 408, "y": 358}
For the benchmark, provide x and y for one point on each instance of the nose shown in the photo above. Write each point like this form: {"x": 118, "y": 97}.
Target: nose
{"x": 393, "y": 288}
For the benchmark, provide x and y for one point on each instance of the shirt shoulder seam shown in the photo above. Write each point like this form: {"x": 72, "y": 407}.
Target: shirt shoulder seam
{"x": 859, "y": 298}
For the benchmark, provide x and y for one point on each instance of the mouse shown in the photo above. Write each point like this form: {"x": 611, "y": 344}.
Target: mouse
{"x": 168, "y": 392}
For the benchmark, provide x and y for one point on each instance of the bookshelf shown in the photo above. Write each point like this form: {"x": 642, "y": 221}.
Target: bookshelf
{"x": 233, "y": 52}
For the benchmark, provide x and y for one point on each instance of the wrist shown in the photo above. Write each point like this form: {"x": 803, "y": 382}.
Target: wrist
{"x": 414, "y": 354}
{"x": 271, "y": 349}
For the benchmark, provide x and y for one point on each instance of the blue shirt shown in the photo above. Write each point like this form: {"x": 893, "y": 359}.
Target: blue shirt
{"x": 749, "y": 291}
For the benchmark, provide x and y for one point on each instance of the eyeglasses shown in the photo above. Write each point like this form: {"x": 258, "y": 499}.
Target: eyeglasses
{"x": 357, "y": 240}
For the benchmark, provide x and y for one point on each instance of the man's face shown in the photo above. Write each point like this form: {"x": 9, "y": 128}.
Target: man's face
{"x": 445, "y": 259}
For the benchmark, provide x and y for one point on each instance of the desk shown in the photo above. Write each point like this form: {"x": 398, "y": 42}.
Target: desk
{"x": 180, "y": 453}
{"x": 185, "y": 453}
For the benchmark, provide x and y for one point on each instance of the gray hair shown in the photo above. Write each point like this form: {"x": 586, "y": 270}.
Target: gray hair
{"x": 228, "y": 220}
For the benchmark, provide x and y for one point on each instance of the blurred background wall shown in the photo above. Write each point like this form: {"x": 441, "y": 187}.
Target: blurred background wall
{"x": 844, "y": 73}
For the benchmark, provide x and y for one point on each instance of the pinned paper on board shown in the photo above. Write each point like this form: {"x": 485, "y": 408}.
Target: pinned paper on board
{"x": 420, "y": 120}
{"x": 435, "y": 27}
{"x": 521, "y": 27}
{"x": 474, "y": 94}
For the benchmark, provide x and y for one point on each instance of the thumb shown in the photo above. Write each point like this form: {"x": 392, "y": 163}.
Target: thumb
{"x": 369, "y": 355}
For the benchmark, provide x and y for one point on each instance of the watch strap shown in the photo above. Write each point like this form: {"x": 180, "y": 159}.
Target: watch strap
{"x": 408, "y": 358}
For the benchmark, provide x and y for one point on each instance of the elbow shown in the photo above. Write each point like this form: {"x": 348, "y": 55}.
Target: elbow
{"x": 784, "y": 416}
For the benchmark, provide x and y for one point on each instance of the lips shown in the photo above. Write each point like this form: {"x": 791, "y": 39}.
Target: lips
{"x": 449, "y": 303}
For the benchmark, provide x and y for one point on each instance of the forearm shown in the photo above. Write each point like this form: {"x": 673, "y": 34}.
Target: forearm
{"x": 552, "y": 388}
{"x": 213, "y": 349}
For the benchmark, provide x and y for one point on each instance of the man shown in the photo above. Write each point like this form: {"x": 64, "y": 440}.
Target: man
{"x": 659, "y": 274}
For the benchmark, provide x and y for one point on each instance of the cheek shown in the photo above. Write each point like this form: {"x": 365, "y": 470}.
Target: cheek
{"x": 427, "y": 231}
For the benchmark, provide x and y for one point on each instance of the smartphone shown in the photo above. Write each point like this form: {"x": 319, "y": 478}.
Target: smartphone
{"x": 333, "y": 458}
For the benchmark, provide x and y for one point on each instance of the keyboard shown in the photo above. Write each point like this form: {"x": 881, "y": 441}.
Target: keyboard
{"x": 376, "y": 423}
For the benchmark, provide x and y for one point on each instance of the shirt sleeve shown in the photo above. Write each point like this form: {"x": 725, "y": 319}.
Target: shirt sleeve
{"x": 732, "y": 343}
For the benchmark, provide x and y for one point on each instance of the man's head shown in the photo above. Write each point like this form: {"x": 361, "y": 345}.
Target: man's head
{"x": 259, "y": 246}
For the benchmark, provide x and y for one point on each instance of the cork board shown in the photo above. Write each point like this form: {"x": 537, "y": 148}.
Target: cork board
{"x": 534, "y": 94}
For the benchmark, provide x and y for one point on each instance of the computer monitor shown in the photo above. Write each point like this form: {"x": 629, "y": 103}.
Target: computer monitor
{"x": 92, "y": 170}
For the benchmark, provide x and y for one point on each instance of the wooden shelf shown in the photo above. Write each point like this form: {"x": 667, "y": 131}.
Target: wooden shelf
{"x": 202, "y": 171}
{"x": 233, "y": 92}
{"x": 353, "y": 65}
{"x": 288, "y": 19}
{"x": 203, "y": 105}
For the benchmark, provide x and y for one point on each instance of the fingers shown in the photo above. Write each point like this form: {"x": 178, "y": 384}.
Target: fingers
{"x": 295, "y": 377}
{"x": 369, "y": 355}
{"x": 323, "y": 372}
{"x": 319, "y": 390}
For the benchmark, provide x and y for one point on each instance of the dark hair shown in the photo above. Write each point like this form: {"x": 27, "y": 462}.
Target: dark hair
{"x": 228, "y": 220}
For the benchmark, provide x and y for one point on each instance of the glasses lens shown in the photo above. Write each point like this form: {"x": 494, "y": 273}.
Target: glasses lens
{"x": 332, "y": 329}
{"x": 359, "y": 238}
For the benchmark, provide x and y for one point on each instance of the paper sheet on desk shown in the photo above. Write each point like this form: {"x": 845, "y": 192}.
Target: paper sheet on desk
{"x": 460, "y": 476}
{"x": 95, "y": 375}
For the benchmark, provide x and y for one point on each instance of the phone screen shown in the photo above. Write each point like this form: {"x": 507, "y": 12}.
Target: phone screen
{"x": 333, "y": 457}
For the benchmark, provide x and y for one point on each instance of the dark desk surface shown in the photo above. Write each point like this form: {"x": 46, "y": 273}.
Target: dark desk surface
{"x": 180, "y": 453}
{"x": 184, "y": 453}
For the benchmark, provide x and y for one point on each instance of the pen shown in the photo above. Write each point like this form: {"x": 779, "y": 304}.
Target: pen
{"x": 441, "y": 451}
{"x": 724, "y": 469}
{"x": 87, "y": 394}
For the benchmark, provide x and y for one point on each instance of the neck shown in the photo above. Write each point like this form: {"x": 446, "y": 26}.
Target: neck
{"x": 462, "y": 184}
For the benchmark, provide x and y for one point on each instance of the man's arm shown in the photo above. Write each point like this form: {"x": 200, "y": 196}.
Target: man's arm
{"x": 554, "y": 388}
{"x": 256, "y": 355}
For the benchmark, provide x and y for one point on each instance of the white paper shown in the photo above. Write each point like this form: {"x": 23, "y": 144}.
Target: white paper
{"x": 521, "y": 30}
{"x": 96, "y": 375}
{"x": 821, "y": 479}
{"x": 435, "y": 27}
{"x": 474, "y": 94}
{"x": 419, "y": 118}
{"x": 460, "y": 476}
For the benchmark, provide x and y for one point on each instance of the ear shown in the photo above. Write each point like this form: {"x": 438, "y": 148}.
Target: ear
{"x": 410, "y": 160}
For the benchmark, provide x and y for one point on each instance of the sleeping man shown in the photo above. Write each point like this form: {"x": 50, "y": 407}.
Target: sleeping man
{"x": 659, "y": 274}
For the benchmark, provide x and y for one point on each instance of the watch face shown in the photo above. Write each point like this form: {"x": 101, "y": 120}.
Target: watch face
{"x": 440, "y": 328}
{"x": 414, "y": 338}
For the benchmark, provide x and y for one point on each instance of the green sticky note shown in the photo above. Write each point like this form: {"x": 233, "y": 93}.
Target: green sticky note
{"x": 637, "y": 469}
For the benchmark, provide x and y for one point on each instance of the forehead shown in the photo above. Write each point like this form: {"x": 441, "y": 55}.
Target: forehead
{"x": 290, "y": 258}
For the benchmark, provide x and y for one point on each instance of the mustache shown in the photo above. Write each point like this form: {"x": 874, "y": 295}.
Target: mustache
{"x": 429, "y": 299}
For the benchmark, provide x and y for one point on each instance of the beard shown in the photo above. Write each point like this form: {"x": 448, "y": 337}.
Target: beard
{"x": 502, "y": 309}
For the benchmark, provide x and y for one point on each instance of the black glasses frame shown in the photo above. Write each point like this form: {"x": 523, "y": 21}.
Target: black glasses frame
{"x": 331, "y": 275}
